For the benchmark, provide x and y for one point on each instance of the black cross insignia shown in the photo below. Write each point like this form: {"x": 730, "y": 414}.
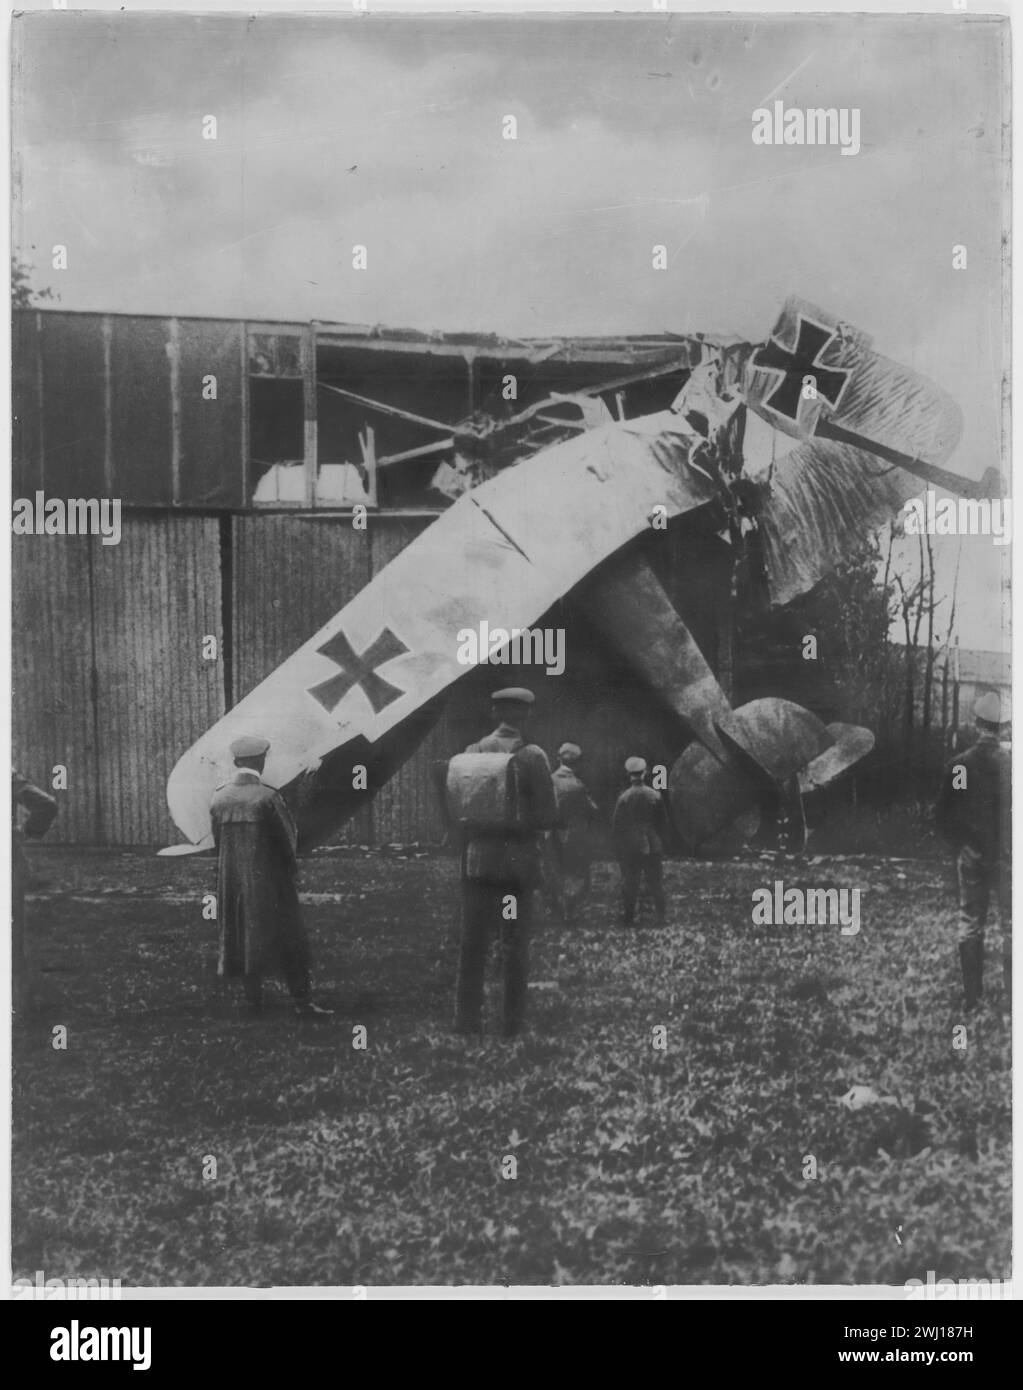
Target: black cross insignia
{"x": 359, "y": 670}
{"x": 802, "y": 360}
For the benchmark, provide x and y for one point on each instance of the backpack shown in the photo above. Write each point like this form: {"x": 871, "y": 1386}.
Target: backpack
{"x": 481, "y": 792}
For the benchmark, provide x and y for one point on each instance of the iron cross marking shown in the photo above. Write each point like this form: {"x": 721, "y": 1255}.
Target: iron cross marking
{"x": 796, "y": 363}
{"x": 359, "y": 670}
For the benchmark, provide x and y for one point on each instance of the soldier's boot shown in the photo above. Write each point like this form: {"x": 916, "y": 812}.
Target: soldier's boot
{"x": 971, "y": 957}
{"x": 299, "y": 983}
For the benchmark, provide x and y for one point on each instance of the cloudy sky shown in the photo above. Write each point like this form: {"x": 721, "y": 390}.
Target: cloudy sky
{"x": 632, "y": 131}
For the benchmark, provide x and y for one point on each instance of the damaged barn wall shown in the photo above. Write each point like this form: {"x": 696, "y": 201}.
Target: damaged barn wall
{"x": 188, "y": 413}
{"x": 109, "y": 674}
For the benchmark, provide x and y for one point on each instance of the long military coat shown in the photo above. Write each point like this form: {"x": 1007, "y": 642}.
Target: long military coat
{"x": 257, "y": 897}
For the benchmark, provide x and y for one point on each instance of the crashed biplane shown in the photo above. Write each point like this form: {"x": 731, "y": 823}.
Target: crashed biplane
{"x": 802, "y": 445}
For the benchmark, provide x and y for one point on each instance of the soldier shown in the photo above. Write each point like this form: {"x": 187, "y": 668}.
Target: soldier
{"x": 973, "y": 815}
{"x": 257, "y": 899}
{"x": 639, "y": 829}
{"x": 571, "y": 841}
{"x": 41, "y": 808}
{"x": 501, "y": 871}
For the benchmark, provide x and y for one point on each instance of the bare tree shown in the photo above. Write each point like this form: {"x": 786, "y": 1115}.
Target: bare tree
{"x": 930, "y": 652}
{"x": 917, "y": 606}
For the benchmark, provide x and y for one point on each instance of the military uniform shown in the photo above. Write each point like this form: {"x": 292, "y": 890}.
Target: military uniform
{"x": 41, "y": 808}
{"x": 639, "y": 829}
{"x": 496, "y": 866}
{"x": 973, "y": 815}
{"x": 258, "y": 910}
{"x": 571, "y": 842}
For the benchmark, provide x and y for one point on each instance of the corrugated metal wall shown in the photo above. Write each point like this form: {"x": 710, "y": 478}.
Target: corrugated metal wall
{"x": 211, "y": 444}
{"x": 54, "y": 709}
{"x": 108, "y": 671}
{"x": 74, "y": 405}
{"x": 26, "y": 406}
{"x": 107, "y": 405}
{"x": 156, "y": 596}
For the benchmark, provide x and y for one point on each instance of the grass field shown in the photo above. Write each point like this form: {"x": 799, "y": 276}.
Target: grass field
{"x": 339, "y": 1166}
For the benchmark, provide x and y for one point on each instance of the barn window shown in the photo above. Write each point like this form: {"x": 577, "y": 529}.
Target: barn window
{"x": 389, "y": 409}
{"x": 293, "y": 457}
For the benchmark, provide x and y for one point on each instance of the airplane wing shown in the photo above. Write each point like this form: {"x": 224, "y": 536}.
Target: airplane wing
{"x": 501, "y": 554}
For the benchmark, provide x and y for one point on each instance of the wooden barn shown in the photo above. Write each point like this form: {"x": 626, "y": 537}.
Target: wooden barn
{"x": 238, "y": 451}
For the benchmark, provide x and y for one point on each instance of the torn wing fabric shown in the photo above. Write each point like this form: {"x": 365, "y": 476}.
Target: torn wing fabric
{"x": 502, "y": 554}
{"x": 824, "y": 499}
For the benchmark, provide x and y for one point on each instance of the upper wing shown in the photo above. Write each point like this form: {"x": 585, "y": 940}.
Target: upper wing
{"x": 501, "y": 554}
